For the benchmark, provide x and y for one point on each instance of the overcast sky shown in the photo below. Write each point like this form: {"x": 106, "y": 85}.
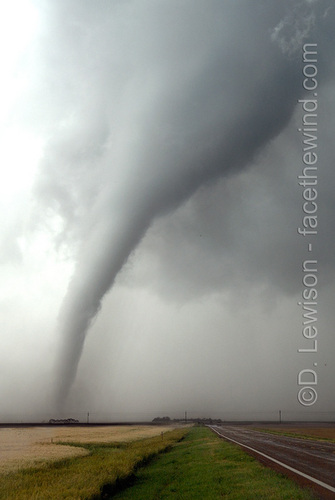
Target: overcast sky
{"x": 149, "y": 252}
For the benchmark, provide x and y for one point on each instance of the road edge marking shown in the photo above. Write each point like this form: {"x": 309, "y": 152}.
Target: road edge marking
{"x": 296, "y": 471}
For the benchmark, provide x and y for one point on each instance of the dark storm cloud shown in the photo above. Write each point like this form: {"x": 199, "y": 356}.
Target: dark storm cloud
{"x": 157, "y": 100}
{"x": 242, "y": 232}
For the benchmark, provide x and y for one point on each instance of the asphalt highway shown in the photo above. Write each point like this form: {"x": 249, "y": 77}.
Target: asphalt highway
{"x": 309, "y": 462}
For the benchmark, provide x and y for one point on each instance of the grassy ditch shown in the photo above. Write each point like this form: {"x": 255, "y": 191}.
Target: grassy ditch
{"x": 90, "y": 477}
{"x": 203, "y": 466}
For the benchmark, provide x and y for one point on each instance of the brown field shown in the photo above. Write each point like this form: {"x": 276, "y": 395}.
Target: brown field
{"x": 318, "y": 431}
{"x": 31, "y": 446}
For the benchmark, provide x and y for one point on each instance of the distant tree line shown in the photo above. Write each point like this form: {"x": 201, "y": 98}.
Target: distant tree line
{"x": 205, "y": 421}
{"x": 63, "y": 421}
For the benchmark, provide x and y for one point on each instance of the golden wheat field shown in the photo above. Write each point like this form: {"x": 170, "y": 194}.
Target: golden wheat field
{"x": 28, "y": 446}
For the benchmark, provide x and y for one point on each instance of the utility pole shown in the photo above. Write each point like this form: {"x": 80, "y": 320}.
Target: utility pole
{"x": 88, "y": 417}
{"x": 280, "y": 416}
{"x": 185, "y": 417}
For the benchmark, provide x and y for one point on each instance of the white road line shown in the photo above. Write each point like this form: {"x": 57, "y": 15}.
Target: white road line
{"x": 321, "y": 483}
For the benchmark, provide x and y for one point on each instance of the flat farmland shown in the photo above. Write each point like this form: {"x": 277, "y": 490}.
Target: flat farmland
{"x": 129, "y": 461}
{"x": 30, "y": 446}
{"x": 311, "y": 430}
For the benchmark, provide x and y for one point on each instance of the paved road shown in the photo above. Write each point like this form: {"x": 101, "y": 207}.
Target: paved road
{"x": 310, "y": 462}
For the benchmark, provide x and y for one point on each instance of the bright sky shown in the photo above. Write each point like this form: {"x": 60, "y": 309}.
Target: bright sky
{"x": 20, "y": 149}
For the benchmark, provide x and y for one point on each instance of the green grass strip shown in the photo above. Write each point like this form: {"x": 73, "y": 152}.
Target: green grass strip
{"x": 85, "y": 477}
{"x": 205, "y": 467}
